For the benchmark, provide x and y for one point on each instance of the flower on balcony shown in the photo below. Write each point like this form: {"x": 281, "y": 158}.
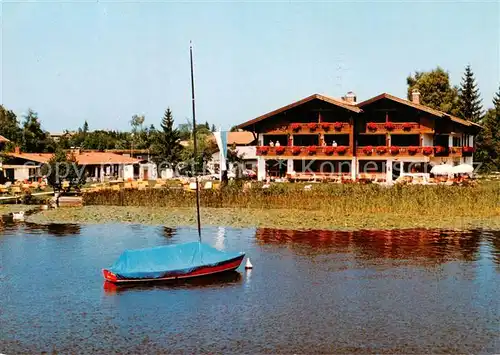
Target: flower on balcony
{"x": 295, "y": 127}
{"x": 427, "y": 150}
{"x": 468, "y": 150}
{"x": 382, "y": 149}
{"x": 413, "y": 150}
{"x": 312, "y": 126}
{"x": 368, "y": 150}
{"x": 262, "y": 150}
{"x": 338, "y": 126}
{"x": 280, "y": 150}
{"x": 394, "y": 150}
{"x": 329, "y": 150}
{"x": 407, "y": 126}
{"x": 296, "y": 150}
{"x": 326, "y": 126}
{"x": 341, "y": 150}
{"x": 311, "y": 150}
{"x": 389, "y": 126}
{"x": 439, "y": 149}
{"x": 372, "y": 126}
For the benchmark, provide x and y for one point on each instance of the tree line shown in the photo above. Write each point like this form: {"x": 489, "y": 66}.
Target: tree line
{"x": 436, "y": 90}
{"x": 164, "y": 143}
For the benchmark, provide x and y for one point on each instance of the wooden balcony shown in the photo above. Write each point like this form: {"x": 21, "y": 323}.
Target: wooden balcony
{"x": 313, "y": 128}
{"x": 311, "y": 152}
{"x": 383, "y": 151}
{"x": 396, "y": 128}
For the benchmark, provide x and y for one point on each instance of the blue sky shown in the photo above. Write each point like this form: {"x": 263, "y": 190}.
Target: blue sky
{"x": 105, "y": 61}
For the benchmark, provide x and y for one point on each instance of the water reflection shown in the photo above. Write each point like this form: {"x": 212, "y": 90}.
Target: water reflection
{"x": 55, "y": 229}
{"x": 428, "y": 245}
{"x": 168, "y": 232}
{"x": 220, "y": 280}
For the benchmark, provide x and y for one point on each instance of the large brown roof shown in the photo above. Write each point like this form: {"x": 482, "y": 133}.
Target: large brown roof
{"x": 3, "y": 139}
{"x": 84, "y": 158}
{"x": 418, "y": 107}
{"x": 330, "y": 100}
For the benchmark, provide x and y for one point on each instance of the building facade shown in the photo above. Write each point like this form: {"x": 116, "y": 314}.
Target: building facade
{"x": 381, "y": 139}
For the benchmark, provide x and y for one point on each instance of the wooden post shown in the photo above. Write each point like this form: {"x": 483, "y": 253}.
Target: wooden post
{"x": 351, "y": 134}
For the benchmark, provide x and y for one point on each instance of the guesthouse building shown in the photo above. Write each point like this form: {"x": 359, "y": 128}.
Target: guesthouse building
{"x": 379, "y": 139}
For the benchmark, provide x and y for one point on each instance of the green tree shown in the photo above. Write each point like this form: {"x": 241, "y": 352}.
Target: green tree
{"x": 136, "y": 122}
{"x": 488, "y": 140}
{"x": 63, "y": 167}
{"x": 9, "y": 126}
{"x": 213, "y": 129}
{"x": 166, "y": 142}
{"x": 34, "y": 139}
{"x": 435, "y": 90}
{"x": 469, "y": 98}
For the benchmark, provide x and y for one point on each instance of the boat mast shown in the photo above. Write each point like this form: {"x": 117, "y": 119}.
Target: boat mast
{"x": 194, "y": 144}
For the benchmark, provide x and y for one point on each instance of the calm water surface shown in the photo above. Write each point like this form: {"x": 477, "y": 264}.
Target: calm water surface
{"x": 410, "y": 291}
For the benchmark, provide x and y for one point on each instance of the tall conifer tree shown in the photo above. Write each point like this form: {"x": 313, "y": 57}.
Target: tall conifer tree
{"x": 469, "y": 98}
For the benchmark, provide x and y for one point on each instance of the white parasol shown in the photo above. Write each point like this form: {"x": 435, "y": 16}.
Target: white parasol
{"x": 443, "y": 169}
{"x": 463, "y": 169}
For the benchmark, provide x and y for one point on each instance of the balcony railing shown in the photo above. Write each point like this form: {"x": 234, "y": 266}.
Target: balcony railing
{"x": 311, "y": 151}
{"x": 394, "y": 151}
{"x": 367, "y": 151}
{"x": 414, "y": 151}
{"x": 314, "y": 127}
{"x": 392, "y": 127}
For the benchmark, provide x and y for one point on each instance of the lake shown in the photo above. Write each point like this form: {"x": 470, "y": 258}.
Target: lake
{"x": 402, "y": 291}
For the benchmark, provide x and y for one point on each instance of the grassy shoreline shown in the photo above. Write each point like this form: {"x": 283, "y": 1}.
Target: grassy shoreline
{"x": 272, "y": 218}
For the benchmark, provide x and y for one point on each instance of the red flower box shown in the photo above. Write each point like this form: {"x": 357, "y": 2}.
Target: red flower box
{"x": 368, "y": 150}
{"x": 296, "y": 150}
{"x": 413, "y": 150}
{"x": 326, "y": 126}
{"x": 280, "y": 150}
{"x": 372, "y": 126}
{"x": 341, "y": 150}
{"x": 312, "y": 126}
{"x": 329, "y": 150}
{"x": 338, "y": 126}
{"x": 407, "y": 126}
{"x": 312, "y": 150}
{"x": 262, "y": 150}
{"x": 439, "y": 149}
{"x": 295, "y": 127}
{"x": 427, "y": 150}
{"x": 394, "y": 150}
{"x": 468, "y": 150}
{"x": 381, "y": 150}
{"x": 389, "y": 126}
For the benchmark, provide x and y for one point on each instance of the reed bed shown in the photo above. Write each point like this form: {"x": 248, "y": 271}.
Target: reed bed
{"x": 348, "y": 199}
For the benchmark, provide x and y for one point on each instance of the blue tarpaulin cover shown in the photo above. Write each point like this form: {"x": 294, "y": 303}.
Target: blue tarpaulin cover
{"x": 158, "y": 261}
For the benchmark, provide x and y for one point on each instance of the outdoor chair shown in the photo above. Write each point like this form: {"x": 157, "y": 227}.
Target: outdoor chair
{"x": 208, "y": 185}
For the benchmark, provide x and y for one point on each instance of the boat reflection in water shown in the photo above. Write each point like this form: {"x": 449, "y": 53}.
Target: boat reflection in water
{"x": 418, "y": 245}
{"x": 223, "y": 280}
